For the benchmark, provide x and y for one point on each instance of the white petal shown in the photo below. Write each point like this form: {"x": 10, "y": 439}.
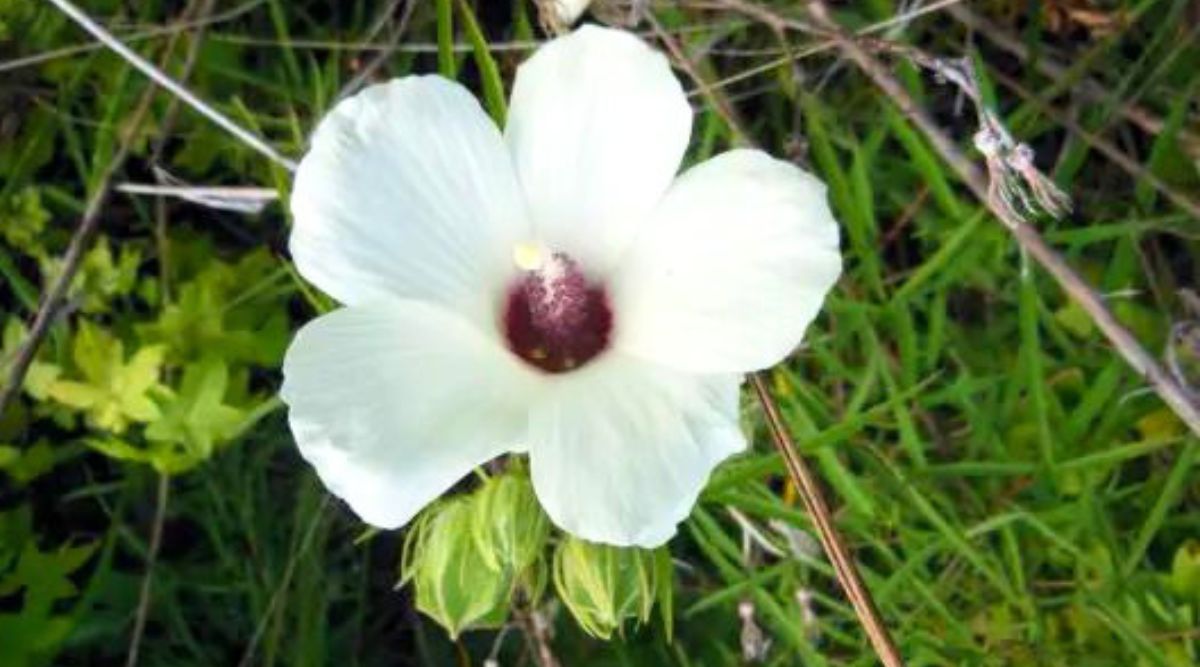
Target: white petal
{"x": 407, "y": 191}
{"x": 393, "y": 403}
{"x": 731, "y": 269}
{"x": 621, "y": 448}
{"x": 597, "y": 127}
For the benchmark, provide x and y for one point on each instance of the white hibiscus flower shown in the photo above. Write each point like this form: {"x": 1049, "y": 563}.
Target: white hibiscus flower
{"x": 555, "y": 289}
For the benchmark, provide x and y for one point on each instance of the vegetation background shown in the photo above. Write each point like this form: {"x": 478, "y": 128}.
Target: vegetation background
{"x": 1013, "y": 492}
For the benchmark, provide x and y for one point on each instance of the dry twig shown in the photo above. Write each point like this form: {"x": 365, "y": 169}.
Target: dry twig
{"x": 1174, "y": 395}
{"x": 831, "y": 540}
{"x": 536, "y": 628}
{"x": 381, "y": 57}
{"x": 156, "y": 531}
{"x": 845, "y": 570}
{"x": 52, "y": 300}
{"x": 1089, "y": 89}
{"x": 160, "y": 78}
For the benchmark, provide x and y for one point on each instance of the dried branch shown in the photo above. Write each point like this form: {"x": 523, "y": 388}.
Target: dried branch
{"x": 161, "y": 78}
{"x": 831, "y": 541}
{"x": 715, "y": 96}
{"x": 240, "y": 199}
{"x": 377, "y": 61}
{"x": 143, "y": 608}
{"x": 1174, "y": 395}
{"x": 1088, "y": 89}
{"x": 51, "y": 304}
{"x": 1104, "y": 147}
{"x": 844, "y": 567}
{"x": 536, "y": 628}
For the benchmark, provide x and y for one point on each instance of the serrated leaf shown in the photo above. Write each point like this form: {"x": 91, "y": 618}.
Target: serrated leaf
{"x": 197, "y": 417}
{"x": 112, "y": 392}
{"x": 102, "y": 276}
{"x": 44, "y": 578}
{"x": 212, "y": 315}
{"x": 23, "y": 220}
{"x": 40, "y": 374}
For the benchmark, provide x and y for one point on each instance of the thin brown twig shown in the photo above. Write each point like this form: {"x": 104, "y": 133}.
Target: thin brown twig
{"x": 1089, "y": 89}
{"x": 156, "y": 531}
{"x": 844, "y": 567}
{"x": 142, "y": 35}
{"x": 52, "y": 301}
{"x": 203, "y": 11}
{"x": 381, "y": 57}
{"x": 1174, "y": 395}
{"x": 1103, "y": 146}
{"x": 536, "y": 628}
{"x": 715, "y": 97}
{"x": 831, "y": 541}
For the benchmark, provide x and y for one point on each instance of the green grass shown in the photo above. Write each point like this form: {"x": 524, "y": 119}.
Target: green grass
{"x": 1013, "y": 493}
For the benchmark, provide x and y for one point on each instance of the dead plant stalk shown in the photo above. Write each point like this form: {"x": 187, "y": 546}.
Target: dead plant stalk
{"x": 1028, "y": 238}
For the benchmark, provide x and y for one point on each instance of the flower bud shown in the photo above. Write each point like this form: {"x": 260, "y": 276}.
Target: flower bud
{"x": 507, "y": 523}
{"x": 604, "y": 585}
{"x": 454, "y": 586}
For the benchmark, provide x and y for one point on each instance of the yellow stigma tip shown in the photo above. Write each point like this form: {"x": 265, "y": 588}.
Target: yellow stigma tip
{"x": 528, "y": 256}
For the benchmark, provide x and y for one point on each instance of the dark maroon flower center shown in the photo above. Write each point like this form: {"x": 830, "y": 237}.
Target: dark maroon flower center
{"x": 555, "y": 318}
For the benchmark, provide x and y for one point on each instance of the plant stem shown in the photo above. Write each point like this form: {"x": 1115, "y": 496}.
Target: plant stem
{"x": 831, "y": 541}
{"x": 143, "y": 608}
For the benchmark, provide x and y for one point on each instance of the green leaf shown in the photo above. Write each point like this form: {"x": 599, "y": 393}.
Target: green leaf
{"x": 26, "y": 465}
{"x": 44, "y": 578}
{"x": 1185, "y": 570}
{"x": 447, "y": 66}
{"x": 229, "y": 310}
{"x": 197, "y": 417}
{"x": 112, "y": 392}
{"x": 102, "y": 277}
{"x": 23, "y": 221}
{"x": 489, "y": 73}
{"x": 40, "y": 374}
{"x": 664, "y": 589}
{"x": 8, "y": 456}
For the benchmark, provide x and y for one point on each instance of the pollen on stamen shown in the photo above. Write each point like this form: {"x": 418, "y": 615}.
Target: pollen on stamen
{"x": 554, "y": 317}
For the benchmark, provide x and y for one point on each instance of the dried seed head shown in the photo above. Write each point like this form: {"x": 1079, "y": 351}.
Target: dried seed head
{"x": 557, "y": 16}
{"x": 755, "y": 643}
{"x": 1015, "y": 185}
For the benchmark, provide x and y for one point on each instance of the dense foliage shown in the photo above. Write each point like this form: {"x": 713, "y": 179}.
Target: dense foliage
{"x": 1014, "y": 493}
